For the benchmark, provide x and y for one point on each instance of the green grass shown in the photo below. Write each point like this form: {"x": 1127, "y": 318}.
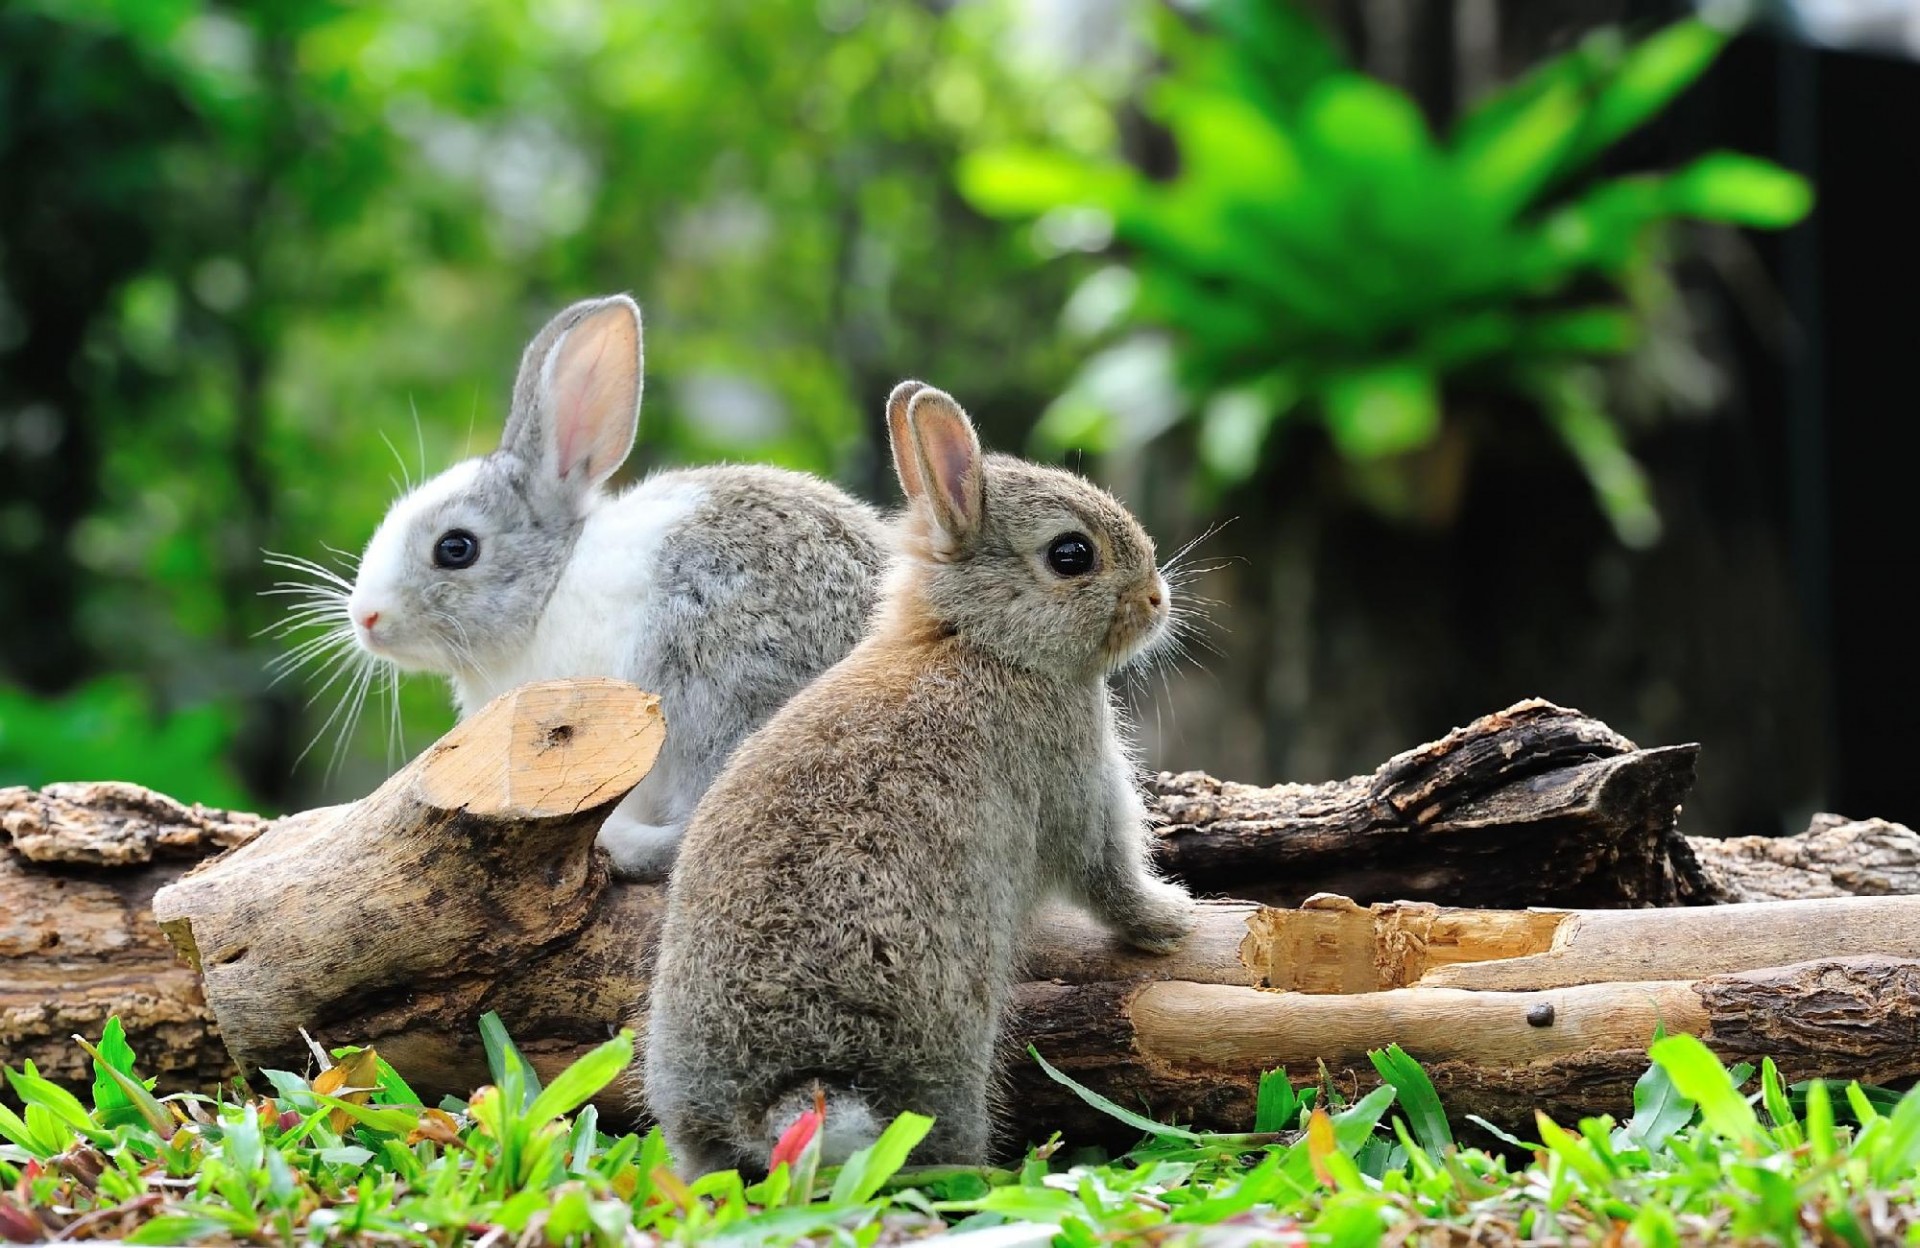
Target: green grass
{"x": 352, "y": 1155}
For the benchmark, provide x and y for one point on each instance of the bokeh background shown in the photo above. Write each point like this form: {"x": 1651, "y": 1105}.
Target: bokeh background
{"x": 1493, "y": 344}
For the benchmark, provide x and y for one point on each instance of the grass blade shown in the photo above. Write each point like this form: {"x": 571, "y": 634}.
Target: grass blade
{"x": 1698, "y": 1074}
{"x": 868, "y": 1170}
{"x": 1658, "y": 1109}
{"x": 505, "y": 1060}
{"x": 581, "y": 1081}
{"x": 133, "y": 1098}
{"x": 1277, "y": 1106}
{"x": 1138, "y": 1122}
{"x": 1417, "y": 1097}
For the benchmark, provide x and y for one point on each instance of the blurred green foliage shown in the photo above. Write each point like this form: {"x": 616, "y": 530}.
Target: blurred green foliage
{"x": 106, "y": 730}
{"x": 1319, "y": 251}
{"x": 253, "y": 255}
{"x": 243, "y": 247}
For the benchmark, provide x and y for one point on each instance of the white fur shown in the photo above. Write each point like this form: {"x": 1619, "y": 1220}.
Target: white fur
{"x": 587, "y": 627}
{"x": 850, "y": 1127}
{"x": 385, "y": 562}
{"x": 640, "y": 851}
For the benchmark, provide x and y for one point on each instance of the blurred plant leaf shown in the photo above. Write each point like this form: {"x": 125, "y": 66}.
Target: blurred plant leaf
{"x": 1382, "y": 411}
{"x": 1315, "y": 232}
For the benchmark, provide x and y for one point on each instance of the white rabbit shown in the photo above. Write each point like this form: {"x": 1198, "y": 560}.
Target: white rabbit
{"x": 722, "y": 589}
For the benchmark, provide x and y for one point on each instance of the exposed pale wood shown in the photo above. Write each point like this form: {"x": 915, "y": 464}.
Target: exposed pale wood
{"x": 1600, "y": 945}
{"x": 469, "y": 878}
{"x": 1215, "y": 1025}
{"x": 1332, "y": 945}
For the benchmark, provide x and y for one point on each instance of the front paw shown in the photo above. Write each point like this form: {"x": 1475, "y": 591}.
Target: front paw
{"x": 641, "y": 852}
{"x": 1160, "y": 919}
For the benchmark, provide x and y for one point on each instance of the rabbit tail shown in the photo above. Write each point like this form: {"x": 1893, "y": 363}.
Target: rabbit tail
{"x": 849, "y": 1125}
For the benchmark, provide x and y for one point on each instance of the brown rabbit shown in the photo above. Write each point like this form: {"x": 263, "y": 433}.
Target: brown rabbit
{"x": 849, "y": 897}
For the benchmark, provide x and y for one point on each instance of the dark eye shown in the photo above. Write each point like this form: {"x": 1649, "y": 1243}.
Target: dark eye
{"x": 1071, "y": 555}
{"x": 456, "y": 548}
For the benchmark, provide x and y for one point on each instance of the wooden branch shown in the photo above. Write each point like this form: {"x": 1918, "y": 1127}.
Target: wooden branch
{"x": 1332, "y": 945}
{"x": 467, "y": 882}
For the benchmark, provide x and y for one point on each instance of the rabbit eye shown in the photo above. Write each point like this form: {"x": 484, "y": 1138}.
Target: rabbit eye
{"x": 1071, "y": 555}
{"x": 456, "y": 548}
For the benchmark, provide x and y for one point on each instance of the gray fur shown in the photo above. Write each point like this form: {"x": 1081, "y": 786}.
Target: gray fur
{"x": 847, "y": 903}
{"x": 722, "y": 589}
{"x": 766, "y": 584}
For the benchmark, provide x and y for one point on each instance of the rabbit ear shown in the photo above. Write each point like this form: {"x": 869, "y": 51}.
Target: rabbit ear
{"x": 900, "y": 439}
{"x": 576, "y": 403}
{"x": 947, "y": 460}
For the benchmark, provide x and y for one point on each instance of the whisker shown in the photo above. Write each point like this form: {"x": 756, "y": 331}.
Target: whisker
{"x": 1174, "y": 562}
{"x": 307, "y": 651}
{"x": 396, "y": 725}
{"x": 399, "y": 459}
{"x": 327, "y": 724}
{"x": 358, "y": 702}
{"x": 293, "y": 563}
{"x": 336, "y": 665}
{"x": 300, "y": 618}
{"x": 348, "y": 560}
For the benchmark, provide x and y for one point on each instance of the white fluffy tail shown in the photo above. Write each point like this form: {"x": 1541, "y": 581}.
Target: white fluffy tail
{"x": 849, "y": 1126}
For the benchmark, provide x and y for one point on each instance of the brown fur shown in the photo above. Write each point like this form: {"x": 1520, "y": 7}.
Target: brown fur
{"x": 849, "y": 895}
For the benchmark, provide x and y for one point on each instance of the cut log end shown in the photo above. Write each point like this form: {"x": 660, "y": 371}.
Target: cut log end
{"x": 543, "y": 751}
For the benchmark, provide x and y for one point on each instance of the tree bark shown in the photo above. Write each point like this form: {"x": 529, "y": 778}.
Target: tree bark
{"x": 79, "y": 864}
{"x": 1834, "y": 857}
{"x": 1533, "y": 805}
{"x": 468, "y": 882}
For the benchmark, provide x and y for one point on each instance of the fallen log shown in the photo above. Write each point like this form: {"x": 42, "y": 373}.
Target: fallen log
{"x": 469, "y": 882}
{"x": 1533, "y": 805}
{"x": 1194, "y": 1052}
{"x": 79, "y": 864}
{"x": 1834, "y": 857}
{"x": 1471, "y": 819}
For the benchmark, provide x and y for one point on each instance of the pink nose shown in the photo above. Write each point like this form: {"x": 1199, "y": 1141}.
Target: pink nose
{"x": 368, "y": 620}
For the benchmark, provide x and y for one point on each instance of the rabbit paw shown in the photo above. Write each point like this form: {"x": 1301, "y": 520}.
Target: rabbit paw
{"x": 640, "y": 851}
{"x": 1159, "y": 918}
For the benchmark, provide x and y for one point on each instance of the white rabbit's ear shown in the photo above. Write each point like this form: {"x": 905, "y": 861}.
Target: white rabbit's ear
{"x": 576, "y": 404}
{"x": 900, "y": 438}
{"x": 947, "y": 459}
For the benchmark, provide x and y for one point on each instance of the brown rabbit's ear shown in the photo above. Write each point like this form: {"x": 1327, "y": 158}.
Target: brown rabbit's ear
{"x": 900, "y": 439}
{"x": 576, "y": 404}
{"x": 947, "y": 457}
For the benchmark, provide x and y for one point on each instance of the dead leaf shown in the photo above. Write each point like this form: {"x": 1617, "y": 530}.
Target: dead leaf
{"x": 1321, "y": 1145}
{"x": 353, "y": 1079}
{"x": 668, "y": 1189}
{"x": 437, "y": 1125}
